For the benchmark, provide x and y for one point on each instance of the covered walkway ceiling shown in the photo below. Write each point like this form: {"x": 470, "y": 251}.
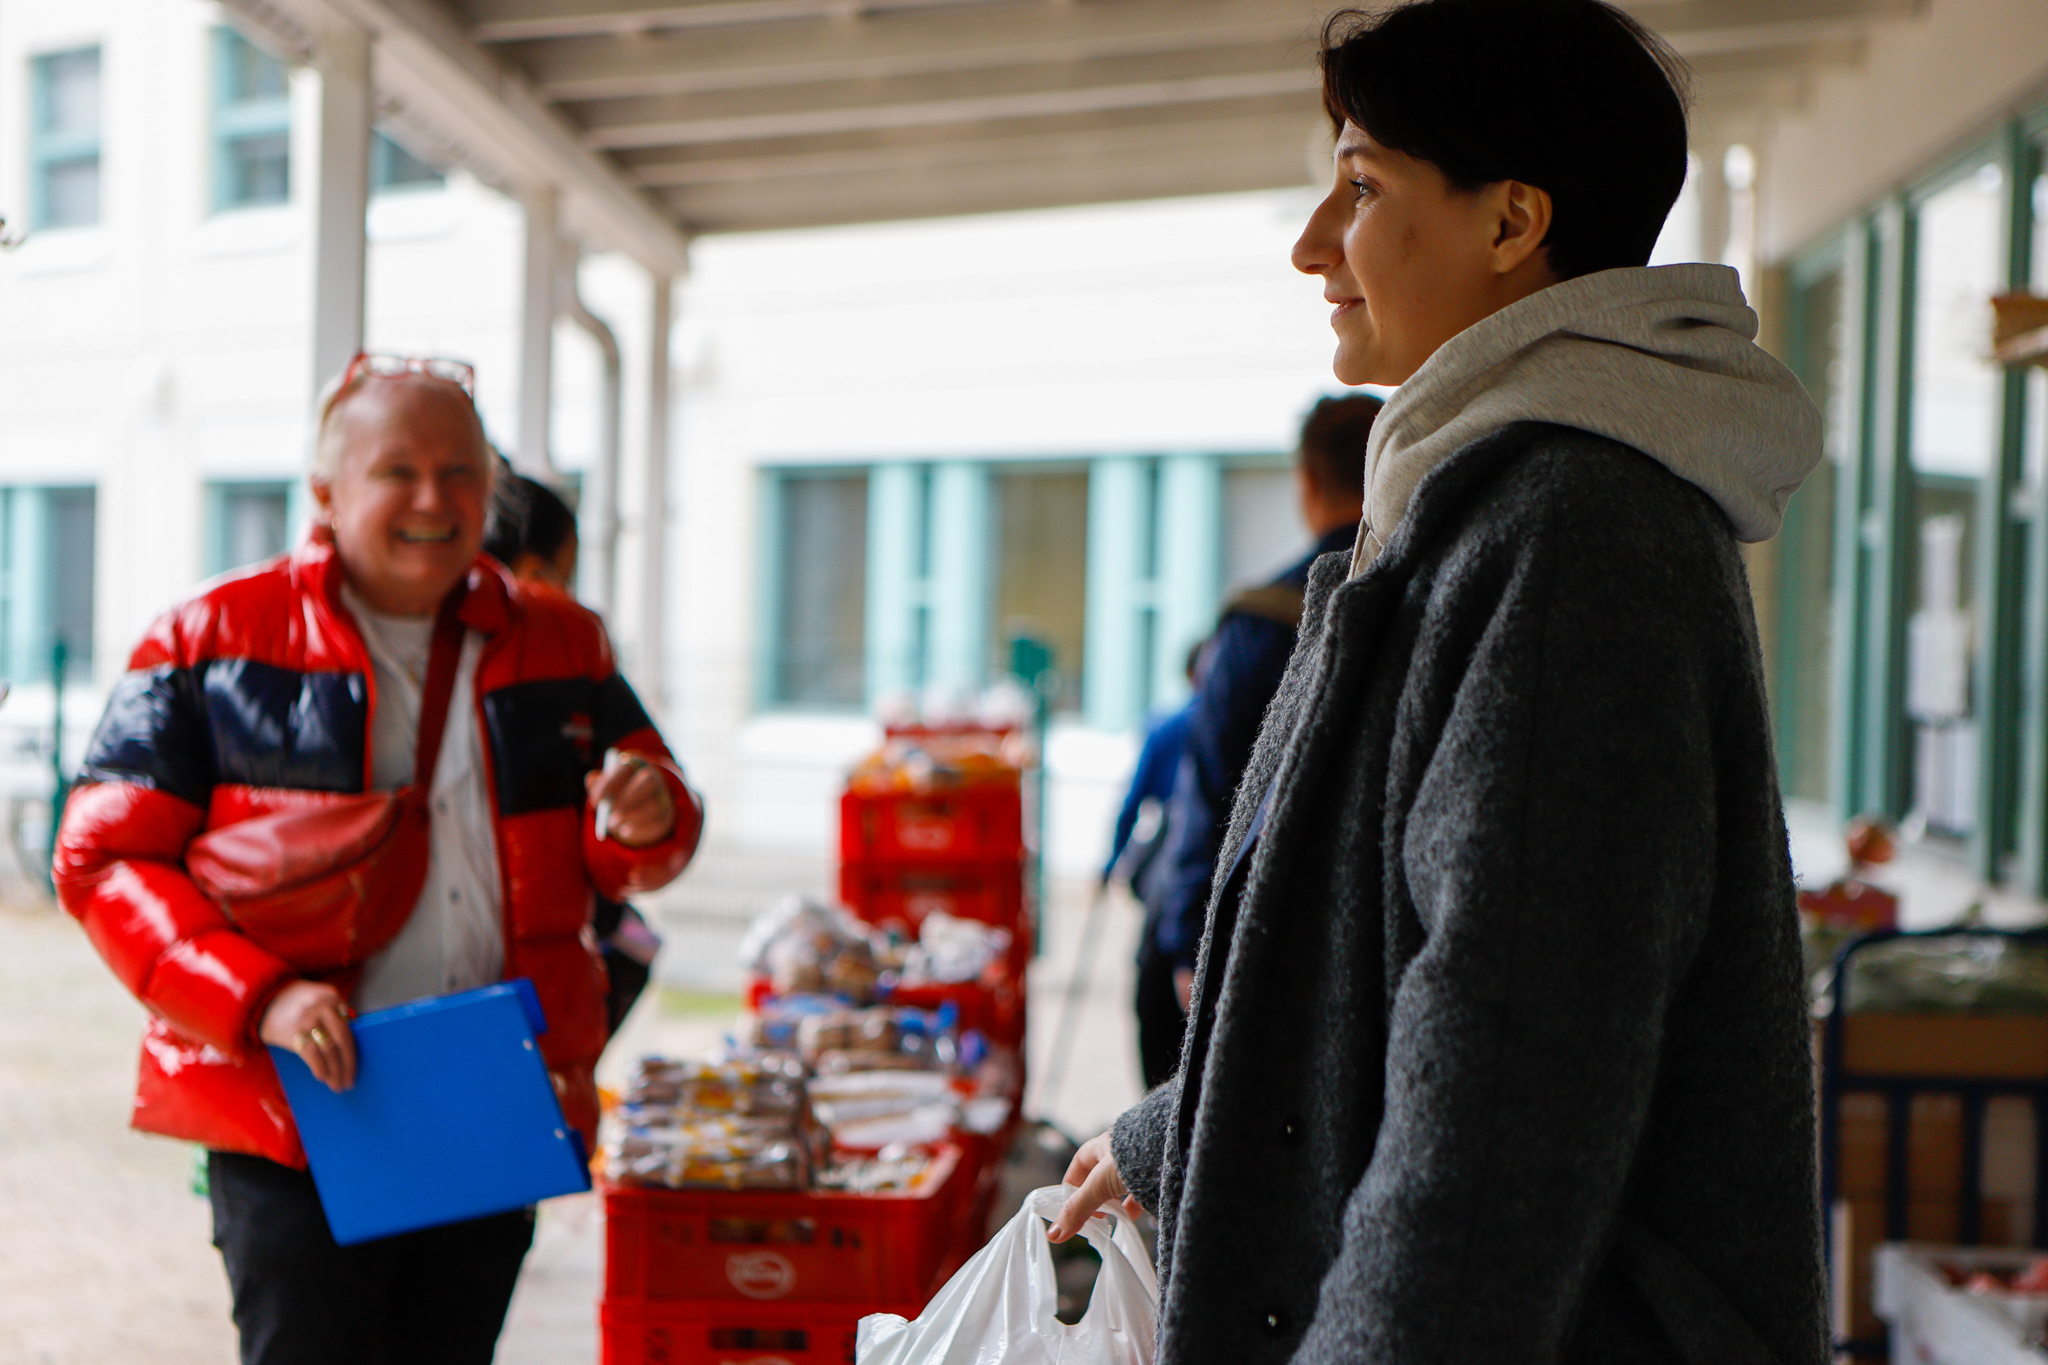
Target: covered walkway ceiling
{"x": 660, "y": 119}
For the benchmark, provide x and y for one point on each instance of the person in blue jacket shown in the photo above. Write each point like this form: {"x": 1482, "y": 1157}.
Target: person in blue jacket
{"x": 1240, "y": 672}
{"x": 1134, "y": 857}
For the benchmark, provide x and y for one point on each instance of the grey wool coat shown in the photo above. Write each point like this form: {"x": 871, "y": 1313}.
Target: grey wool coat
{"x": 1500, "y": 1054}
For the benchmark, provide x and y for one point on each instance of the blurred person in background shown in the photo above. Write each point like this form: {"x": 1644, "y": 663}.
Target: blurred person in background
{"x": 1241, "y": 671}
{"x": 1141, "y": 836}
{"x": 533, "y": 533}
{"x": 300, "y": 681}
{"x": 1499, "y": 1048}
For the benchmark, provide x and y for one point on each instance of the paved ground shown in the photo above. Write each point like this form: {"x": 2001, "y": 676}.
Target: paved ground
{"x": 104, "y": 1256}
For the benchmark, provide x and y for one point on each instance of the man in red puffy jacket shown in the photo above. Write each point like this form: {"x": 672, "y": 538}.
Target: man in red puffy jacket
{"x": 305, "y": 675}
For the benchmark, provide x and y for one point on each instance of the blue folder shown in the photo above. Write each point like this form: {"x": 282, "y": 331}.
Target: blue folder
{"x": 452, "y": 1116}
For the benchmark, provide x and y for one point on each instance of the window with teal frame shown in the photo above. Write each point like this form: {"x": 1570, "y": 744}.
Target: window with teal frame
{"x": 392, "y": 167}
{"x": 252, "y": 125}
{"x": 815, "y": 570}
{"x": 46, "y": 592}
{"x": 247, "y": 523}
{"x": 1803, "y": 685}
{"x": 64, "y": 139}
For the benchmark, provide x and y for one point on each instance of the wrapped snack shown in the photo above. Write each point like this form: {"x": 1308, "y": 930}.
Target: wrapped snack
{"x": 803, "y": 947}
{"x": 951, "y": 949}
{"x": 871, "y": 1109}
{"x": 735, "y": 1124}
{"x": 765, "y": 1085}
{"x": 725, "y": 1153}
{"x": 895, "y": 1169}
{"x": 876, "y": 1039}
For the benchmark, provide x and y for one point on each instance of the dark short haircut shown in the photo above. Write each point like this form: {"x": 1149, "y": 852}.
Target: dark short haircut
{"x": 527, "y": 517}
{"x": 1571, "y": 96}
{"x": 1333, "y": 438}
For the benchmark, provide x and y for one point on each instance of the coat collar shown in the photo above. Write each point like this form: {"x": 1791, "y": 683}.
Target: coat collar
{"x": 316, "y": 570}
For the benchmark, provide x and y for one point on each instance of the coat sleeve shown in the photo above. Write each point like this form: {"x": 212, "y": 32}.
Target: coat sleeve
{"x": 1138, "y": 1141}
{"x": 615, "y": 869}
{"x": 119, "y": 865}
{"x": 1559, "y": 860}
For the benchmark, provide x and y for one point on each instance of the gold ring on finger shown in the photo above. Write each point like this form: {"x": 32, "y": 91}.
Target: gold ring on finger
{"x": 318, "y": 1035}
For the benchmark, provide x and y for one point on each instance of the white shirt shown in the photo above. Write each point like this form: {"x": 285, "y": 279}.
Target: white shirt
{"x": 455, "y": 939}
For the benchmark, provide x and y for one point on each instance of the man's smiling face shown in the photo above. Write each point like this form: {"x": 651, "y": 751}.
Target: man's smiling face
{"x": 410, "y": 486}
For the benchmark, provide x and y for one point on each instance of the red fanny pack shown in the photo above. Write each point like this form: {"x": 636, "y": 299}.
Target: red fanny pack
{"x": 327, "y": 885}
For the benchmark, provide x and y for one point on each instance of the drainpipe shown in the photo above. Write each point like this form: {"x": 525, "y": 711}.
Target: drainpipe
{"x": 600, "y": 503}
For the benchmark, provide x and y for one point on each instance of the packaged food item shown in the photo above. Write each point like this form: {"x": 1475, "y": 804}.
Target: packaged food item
{"x": 724, "y": 1153}
{"x": 733, "y": 1124}
{"x": 918, "y": 758}
{"x": 951, "y": 949}
{"x": 804, "y": 947}
{"x": 895, "y": 1169}
{"x": 873, "y": 1109}
{"x": 880, "y": 1038}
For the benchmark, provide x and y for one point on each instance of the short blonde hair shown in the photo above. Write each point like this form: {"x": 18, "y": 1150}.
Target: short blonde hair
{"x": 323, "y": 463}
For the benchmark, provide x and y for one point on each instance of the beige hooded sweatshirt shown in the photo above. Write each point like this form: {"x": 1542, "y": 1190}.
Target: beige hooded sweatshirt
{"x": 1660, "y": 358}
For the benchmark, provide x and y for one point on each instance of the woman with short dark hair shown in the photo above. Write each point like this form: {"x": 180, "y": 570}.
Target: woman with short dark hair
{"x": 1498, "y": 1048}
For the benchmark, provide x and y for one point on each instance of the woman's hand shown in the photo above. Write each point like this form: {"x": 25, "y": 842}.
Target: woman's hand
{"x": 633, "y": 802}
{"x": 311, "y": 1019}
{"x": 1093, "y": 1170}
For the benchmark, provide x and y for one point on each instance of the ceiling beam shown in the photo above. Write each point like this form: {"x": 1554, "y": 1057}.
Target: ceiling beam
{"x": 893, "y": 47}
{"x": 502, "y": 21}
{"x": 508, "y": 21}
{"x": 966, "y": 109}
{"x": 984, "y": 188}
{"x": 1286, "y": 129}
{"x": 423, "y": 60}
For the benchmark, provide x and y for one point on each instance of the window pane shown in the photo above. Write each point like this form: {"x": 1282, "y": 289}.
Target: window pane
{"x": 1262, "y": 530}
{"x": 70, "y": 193}
{"x": 258, "y": 169}
{"x": 394, "y": 167}
{"x": 253, "y": 525}
{"x": 71, "y": 571}
{"x": 1953, "y": 432}
{"x": 70, "y": 101}
{"x": 1807, "y": 547}
{"x": 252, "y": 75}
{"x": 820, "y": 656}
{"x": 1042, "y": 570}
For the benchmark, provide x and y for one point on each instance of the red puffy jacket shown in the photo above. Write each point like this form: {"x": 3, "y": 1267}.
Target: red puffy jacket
{"x": 259, "y": 689}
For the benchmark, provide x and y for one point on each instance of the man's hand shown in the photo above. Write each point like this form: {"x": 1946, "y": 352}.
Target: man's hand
{"x": 1183, "y": 986}
{"x": 1093, "y": 1170}
{"x": 632, "y": 801}
{"x": 311, "y": 1019}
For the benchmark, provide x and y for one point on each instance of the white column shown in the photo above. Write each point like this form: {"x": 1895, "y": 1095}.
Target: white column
{"x": 1189, "y": 531}
{"x": 537, "y": 331}
{"x": 654, "y": 513}
{"x": 341, "y": 198}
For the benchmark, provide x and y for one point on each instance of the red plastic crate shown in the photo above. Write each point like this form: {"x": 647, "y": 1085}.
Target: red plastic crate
{"x": 971, "y": 823}
{"x": 808, "y": 1246}
{"x": 992, "y": 1006}
{"x": 900, "y": 896}
{"x": 719, "y": 1333}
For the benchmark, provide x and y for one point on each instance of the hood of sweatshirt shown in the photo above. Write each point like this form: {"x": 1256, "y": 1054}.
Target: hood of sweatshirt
{"x": 1660, "y": 358}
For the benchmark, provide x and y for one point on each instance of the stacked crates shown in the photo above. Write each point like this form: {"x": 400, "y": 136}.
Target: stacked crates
{"x": 750, "y": 1277}
{"x": 736, "y": 1277}
{"x": 942, "y": 835}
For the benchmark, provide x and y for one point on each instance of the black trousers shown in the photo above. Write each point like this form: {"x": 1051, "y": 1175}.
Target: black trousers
{"x": 1162, "y": 1024}
{"x": 438, "y": 1295}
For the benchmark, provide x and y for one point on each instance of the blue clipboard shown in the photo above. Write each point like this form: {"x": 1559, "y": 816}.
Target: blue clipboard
{"x": 452, "y": 1117}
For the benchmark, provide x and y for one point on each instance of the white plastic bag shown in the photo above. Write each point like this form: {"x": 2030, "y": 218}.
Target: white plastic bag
{"x": 1000, "y": 1307}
